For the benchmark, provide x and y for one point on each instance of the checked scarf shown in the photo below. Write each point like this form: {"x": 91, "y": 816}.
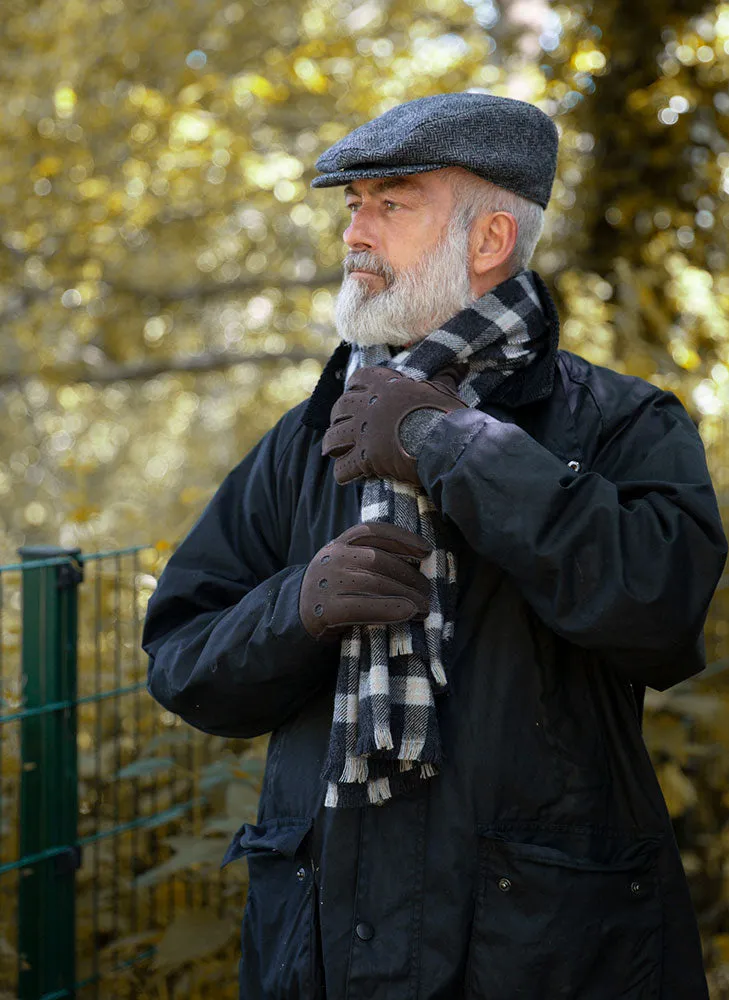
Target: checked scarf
{"x": 385, "y": 738}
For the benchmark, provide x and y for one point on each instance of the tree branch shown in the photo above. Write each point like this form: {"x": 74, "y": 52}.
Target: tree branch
{"x": 149, "y": 368}
{"x": 247, "y": 284}
{"x": 20, "y": 300}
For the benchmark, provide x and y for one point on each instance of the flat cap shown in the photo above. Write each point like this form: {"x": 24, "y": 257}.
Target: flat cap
{"x": 509, "y": 142}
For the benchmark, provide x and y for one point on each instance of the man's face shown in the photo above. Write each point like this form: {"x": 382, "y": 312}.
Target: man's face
{"x": 397, "y": 217}
{"x": 407, "y": 270}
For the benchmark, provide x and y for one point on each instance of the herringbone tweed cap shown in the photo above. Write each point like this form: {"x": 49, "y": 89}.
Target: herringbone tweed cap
{"x": 511, "y": 143}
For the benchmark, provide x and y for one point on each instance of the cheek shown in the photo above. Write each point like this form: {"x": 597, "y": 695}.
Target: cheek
{"x": 412, "y": 240}
{"x": 406, "y": 241}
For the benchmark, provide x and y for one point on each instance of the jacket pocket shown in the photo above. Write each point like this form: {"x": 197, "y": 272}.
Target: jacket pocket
{"x": 559, "y": 925}
{"x": 279, "y": 958}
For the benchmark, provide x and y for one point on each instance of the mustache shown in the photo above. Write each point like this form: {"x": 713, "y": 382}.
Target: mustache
{"x": 366, "y": 261}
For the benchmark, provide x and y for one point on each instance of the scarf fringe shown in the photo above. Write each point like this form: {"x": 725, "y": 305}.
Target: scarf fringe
{"x": 411, "y": 749}
{"x": 355, "y": 769}
{"x": 439, "y": 676}
{"x": 383, "y": 738}
{"x": 378, "y": 791}
{"x": 451, "y": 564}
{"x": 401, "y": 641}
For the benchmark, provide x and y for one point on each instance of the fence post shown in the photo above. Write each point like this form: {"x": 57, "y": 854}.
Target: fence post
{"x": 49, "y": 788}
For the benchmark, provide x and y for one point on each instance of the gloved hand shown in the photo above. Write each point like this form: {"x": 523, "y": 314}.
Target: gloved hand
{"x": 365, "y": 576}
{"x": 364, "y": 431}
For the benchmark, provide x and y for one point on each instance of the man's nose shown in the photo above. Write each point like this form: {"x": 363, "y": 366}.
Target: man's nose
{"x": 359, "y": 234}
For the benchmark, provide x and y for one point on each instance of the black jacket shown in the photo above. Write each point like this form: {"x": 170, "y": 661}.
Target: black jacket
{"x": 540, "y": 863}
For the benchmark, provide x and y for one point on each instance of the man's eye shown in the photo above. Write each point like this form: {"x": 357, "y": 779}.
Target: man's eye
{"x": 355, "y": 205}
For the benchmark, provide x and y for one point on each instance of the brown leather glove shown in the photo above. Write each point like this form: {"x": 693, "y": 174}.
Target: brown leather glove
{"x": 365, "y": 576}
{"x": 364, "y": 431}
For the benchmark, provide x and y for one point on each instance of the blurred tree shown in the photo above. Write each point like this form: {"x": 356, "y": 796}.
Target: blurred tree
{"x": 650, "y": 215}
{"x": 157, "y": 221}
{"x": 167, "y": 277}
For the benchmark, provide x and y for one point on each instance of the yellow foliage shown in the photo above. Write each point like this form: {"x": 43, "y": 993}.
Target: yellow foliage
{"x": 167, "y": 280}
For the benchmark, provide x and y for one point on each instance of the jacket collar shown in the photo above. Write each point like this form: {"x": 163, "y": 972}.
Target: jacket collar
{"x": 527, "y": 385}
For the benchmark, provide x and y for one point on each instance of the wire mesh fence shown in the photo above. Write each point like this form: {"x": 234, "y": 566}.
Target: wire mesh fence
{"x": 114, "y": 815}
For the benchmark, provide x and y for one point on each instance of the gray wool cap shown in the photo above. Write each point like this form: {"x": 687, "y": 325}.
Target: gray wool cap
{"x": 511, "y": 143}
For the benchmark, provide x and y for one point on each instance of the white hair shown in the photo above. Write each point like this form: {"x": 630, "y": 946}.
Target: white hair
{"x": 414, "y": 302}
{"x": 473, "y": 195}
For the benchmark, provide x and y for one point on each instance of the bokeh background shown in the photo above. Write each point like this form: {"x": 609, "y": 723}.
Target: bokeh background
{"x": 167, "y": 279}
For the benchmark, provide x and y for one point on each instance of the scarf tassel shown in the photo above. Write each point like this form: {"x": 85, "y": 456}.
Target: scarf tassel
{"x": 383, "y": 737}
{"x": 401, "y": 641}
{"x": 355, "y": 770}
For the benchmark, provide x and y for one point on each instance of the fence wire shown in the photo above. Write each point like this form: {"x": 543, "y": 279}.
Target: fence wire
{"x": 151, "y": 823}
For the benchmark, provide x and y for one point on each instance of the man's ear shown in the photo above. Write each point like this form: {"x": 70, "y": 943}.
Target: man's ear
{"x": 494, "y": 238}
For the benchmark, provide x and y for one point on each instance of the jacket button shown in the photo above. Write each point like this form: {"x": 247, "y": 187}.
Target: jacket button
{"x": 574, "y": 465}
{"x": 301, "y": 873}
{"x": 364, "y": 931}
{"x": 504, "y": 884}
{"x": 635, "y": 888}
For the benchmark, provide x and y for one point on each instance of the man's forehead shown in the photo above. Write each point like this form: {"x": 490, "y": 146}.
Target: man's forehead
{"x": 377, "y": 185}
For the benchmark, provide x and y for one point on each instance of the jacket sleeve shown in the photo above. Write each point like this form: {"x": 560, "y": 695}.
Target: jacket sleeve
{"x": 227, "y": 650}
{"x": 623, "y": 558}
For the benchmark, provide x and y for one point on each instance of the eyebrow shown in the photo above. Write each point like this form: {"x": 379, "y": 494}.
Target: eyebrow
{"x": 387, "y": 184}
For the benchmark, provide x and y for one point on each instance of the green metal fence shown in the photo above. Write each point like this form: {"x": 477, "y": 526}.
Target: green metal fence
{"x": 113, "y": 814}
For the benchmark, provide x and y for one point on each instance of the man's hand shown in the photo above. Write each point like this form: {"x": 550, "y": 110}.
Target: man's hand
{"x": 364, "y": 432}
{"x": 365, "y": 576}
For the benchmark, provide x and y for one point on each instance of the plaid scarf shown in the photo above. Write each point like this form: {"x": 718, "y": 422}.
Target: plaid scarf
{"x": 385, "y": 738}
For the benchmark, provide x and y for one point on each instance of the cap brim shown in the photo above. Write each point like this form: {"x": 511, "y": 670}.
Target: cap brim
{"x": 339, "y": 177}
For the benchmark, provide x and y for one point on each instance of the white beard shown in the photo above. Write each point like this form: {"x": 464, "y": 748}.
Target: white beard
{"x": 413, "y": 303}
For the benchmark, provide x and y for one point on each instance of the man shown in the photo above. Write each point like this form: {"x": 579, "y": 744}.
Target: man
{"x": 442, "y": 583}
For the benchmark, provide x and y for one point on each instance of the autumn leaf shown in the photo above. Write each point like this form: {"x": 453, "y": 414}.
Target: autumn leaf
{"x": 193, "y": 935}
{"x": 680, "y": 793}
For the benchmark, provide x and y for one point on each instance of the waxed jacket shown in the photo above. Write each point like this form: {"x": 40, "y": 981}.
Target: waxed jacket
{"x": 540, "y": 863}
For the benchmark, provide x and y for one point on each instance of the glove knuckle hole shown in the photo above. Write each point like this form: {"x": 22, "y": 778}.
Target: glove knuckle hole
{"x": 318, "y": 610}
{"x": 373, "y": 399}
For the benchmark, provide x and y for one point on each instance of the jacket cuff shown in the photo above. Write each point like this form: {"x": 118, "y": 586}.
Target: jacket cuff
{"x": 417, "y": 427}
{"x": 450, "y": 437}
{"x": 286, "y": 624}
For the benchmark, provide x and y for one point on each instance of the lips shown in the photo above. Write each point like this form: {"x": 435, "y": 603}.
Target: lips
{"x": 354, "y": 271}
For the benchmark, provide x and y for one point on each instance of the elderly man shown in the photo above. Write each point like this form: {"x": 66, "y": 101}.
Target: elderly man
{"x": 442, "y": 583}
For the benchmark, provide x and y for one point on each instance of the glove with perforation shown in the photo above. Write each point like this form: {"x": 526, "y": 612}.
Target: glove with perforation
{"x": 364, "y": 435}
{"x": 366, "y": 576}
